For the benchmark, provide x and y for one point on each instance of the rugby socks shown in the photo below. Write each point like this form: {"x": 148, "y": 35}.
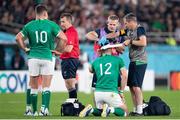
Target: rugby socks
{"x": 34, "y": 94}
{"x": 96, "y": 112}
{"x": 73, "y": 93}
{"x": 134, "y": 109}
{"x": 46, "y": 94}
{"x": 117, "y": 111}
{"x": 28, "y": 98}
{"x": 43, "y": 100}
{"x": 139, "y": 109}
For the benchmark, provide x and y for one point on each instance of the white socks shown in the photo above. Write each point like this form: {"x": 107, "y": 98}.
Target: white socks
{"x": 134, "y": 109}
{"x": 46, "y": 89}
{"x": 34, "y": 91}
{"x": 28, "y": 107}
{"x": 111, "y": 109}
{"x": 139, "y": 109}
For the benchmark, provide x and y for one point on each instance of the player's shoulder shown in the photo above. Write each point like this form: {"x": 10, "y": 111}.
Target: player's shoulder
{"x": 98, "y": 30}
{"x": 110, "y": 57}
{"x": 51, "y": 22}
{"x": 97, "y": 60}
{"x": 72, "y": 30}
{"x": 140, "y": 28}
{"x": 116, "y": 58}
{"x": 30, "y": 23}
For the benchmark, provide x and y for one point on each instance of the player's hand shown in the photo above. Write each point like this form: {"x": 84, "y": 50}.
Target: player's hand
{"x": 99, "y": 52}
{"x": 120, "y": 49}
{"x": 127, "y": 42}
{"x": 122, "y": 97}
{"x": 26, "y": 50}
{"x": 55, "y": 52}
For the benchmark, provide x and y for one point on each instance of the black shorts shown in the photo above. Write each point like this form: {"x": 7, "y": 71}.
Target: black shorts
{"x": 136, "y": 74}
{"x": 69, "y": 67}
{"x": 94, "y": 80}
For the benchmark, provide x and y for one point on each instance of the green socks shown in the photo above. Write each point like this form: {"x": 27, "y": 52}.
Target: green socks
{"x": 34, "y": 102}
{"x": 33, "y": 97}
{"x": 28, "y": 97}
{"x": 46, "y": 99}
{"x": 96, "y": 112}
{"x": 119, "y": 112}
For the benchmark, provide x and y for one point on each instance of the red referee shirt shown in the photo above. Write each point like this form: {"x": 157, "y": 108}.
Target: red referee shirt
{"x": 72, "y": 39}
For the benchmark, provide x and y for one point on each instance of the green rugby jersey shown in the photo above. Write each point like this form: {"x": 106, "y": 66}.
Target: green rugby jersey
{"x": 41, "y": 34}
{"x": 107, "y": 69}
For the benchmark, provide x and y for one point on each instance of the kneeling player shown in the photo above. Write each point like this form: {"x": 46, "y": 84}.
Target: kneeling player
{"x": 108, "y": 96}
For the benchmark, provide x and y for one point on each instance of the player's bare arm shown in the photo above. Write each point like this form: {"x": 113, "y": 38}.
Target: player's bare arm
{"x": 55, "y": 52}
{"x": 90, "y": 69}
{"x": 123, "y": 72}
{"x": 62, "y": 42}
{"x": 141, "y": 42}
{"x": 20, "y": 41}
{"x": 68, "y": 48}
{"x": 93, "y": 36}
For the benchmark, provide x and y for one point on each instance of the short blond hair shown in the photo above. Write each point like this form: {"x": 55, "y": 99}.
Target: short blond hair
{"x": 113, "y": 17}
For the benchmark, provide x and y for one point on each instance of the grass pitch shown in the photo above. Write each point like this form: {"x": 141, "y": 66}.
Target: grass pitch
{"x": 12, "y": 106}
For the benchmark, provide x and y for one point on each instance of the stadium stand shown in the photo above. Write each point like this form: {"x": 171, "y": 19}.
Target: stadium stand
{"x": 159, "y": 17}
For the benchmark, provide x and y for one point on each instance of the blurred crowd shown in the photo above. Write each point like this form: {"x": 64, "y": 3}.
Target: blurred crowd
{"x": 158, "y": 16}
{"x": 155, "y": 15}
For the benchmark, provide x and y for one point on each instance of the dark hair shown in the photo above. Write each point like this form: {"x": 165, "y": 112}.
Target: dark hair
{"x": 113, "y": 17}
{"x": 130, "y": 17}
{"x": 67, "y": 15}
{"x": 39, "y": 9}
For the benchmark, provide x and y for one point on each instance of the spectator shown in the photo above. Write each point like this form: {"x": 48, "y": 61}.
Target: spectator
{"x": 93, "y": 14}
{"x": 2, "y": 56}
{"x": 17, "y": 61}
{"x": 177, "y": 30}
{"x": 157, "y": 24}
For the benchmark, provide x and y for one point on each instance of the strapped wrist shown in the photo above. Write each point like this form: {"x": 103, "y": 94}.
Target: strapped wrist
{"x": 26, "y": 49}
{"x": 131, "y": 42}
{"x": 121, "y": 91}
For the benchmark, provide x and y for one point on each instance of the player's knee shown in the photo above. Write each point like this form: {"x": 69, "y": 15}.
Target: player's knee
{"x": 136, "y": 89}
{"x": 34, "y": 91}
{"x": 46, "y": 89}
{"x": 70, "y": 83}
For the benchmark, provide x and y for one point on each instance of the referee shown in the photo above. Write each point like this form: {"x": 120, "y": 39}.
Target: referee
{"x": 70, "y": 56}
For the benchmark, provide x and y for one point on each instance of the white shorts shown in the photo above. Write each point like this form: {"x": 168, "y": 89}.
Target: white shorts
{"x": 40, "y": 67}
{"x": 110, "y": 98}
{"x": 54, "y": 61}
